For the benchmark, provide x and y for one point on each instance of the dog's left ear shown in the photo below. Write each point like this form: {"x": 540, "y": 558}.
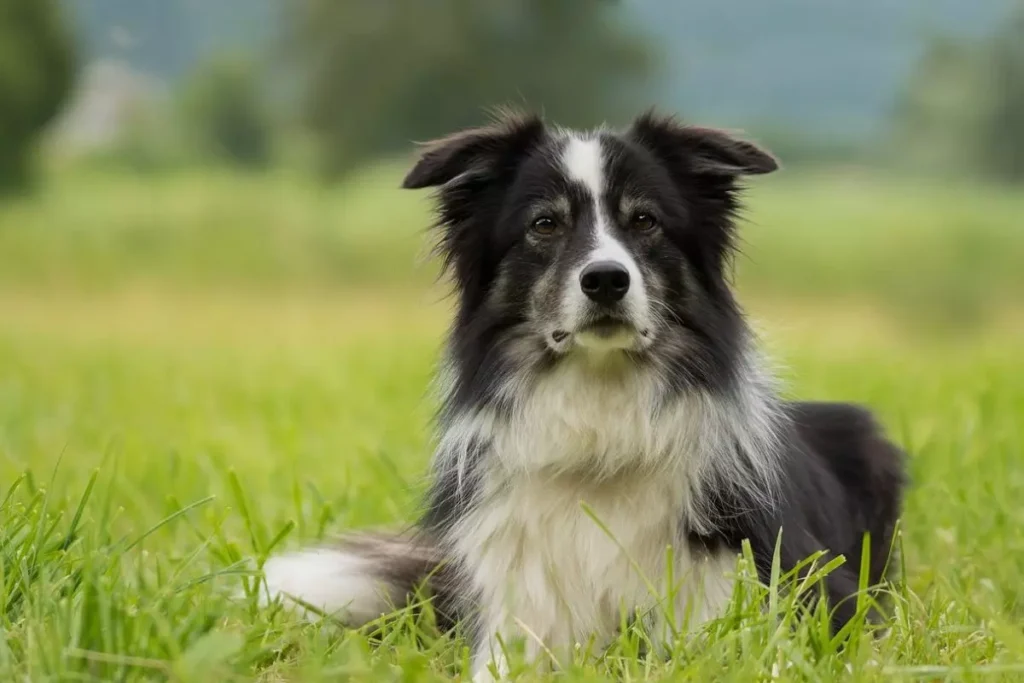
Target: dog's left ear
{"x": 702, "y": 151}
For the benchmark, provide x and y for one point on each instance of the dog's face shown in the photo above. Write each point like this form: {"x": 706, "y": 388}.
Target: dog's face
{"x": 598, "y": 243}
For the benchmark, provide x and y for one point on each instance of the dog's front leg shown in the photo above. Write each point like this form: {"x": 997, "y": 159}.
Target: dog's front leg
{"x": 490, "y": 657}
{"x": 503, "y": 634}
{"x": 701, "y": 593}
{"x": 489, "y": 662}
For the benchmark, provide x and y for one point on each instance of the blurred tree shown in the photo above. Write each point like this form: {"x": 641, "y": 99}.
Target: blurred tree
{"x": 963, "y": 109}
{"x": 1003, "y": 134}
{"x": 224, "y": 110}
{"x": 379, "y": 74}
{"x": 36, "y": 75}
{"x": 942, "y": 111}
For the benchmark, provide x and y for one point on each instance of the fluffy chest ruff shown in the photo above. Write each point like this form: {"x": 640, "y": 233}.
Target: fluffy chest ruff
{"x": 576, "y": 500}
{"x": 558, "y": 561}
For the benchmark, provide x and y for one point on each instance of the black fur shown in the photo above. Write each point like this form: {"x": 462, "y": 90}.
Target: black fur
{"x": 842, "y": 480}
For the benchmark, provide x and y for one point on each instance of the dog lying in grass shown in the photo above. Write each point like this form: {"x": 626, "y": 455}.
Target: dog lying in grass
{"x": 609, "y": 433}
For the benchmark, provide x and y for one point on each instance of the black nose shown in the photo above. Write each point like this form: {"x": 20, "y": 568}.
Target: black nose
{"x": 605, "y": 282}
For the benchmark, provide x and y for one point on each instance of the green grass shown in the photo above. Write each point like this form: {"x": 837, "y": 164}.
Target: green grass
{"x": 179, "y": 395}
{"x": 142, "y": 460}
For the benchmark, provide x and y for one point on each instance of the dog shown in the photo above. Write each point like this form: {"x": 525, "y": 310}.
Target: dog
{"x": 604, "y": 401}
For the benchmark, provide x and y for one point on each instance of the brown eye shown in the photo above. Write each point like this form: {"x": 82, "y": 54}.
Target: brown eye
{"x": 545, "y": 225}
{"x": 643, "y": 222}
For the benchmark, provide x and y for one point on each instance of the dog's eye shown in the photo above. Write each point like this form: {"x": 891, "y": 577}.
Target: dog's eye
{"x": 643, "y": 222}
{"x": 545, "y": 225}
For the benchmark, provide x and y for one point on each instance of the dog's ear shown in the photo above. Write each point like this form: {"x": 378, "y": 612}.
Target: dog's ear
{"x": 702, "y": 151}
{"x": 478, "y": 151}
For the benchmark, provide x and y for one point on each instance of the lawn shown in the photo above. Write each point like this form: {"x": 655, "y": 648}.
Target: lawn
{"x": 194, "y": 370}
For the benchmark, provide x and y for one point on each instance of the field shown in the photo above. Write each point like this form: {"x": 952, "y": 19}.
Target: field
{"x": 197, "y": 369}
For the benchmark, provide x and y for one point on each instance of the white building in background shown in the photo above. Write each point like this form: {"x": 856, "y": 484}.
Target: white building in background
{"x": 108, "y": 99}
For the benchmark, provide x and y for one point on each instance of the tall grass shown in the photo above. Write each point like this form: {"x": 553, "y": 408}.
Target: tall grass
{"x": 143, "y": 473}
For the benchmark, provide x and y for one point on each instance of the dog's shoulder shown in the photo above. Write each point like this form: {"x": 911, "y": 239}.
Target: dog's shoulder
{"x": 850, "y": 440}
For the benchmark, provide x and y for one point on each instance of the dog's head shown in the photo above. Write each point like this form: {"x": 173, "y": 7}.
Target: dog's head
{"x": 594, "y": 243}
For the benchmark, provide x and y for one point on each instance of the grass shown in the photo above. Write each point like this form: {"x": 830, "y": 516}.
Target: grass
{"x": 172, "y": 411}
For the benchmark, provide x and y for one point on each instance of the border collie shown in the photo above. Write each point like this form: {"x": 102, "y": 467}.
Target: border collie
{"x": 605, "y": 406}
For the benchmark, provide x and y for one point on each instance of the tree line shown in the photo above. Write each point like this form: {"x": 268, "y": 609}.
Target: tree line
{"x": 363, "y": 78}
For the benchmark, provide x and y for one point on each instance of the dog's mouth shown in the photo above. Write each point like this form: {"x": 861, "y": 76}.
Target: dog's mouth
{"x": 604, "y": 332}
{"x": 606, "y": 327}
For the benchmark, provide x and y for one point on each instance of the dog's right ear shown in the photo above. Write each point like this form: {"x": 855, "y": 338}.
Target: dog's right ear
{"x": 479, "y": 151}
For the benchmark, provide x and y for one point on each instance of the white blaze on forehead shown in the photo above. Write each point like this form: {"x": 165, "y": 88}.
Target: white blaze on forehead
{"x": 584, "y": 162}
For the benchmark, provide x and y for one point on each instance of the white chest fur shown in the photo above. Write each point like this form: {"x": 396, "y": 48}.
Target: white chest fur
{"x": 585, "y": 493}
{"x": 562, "y": 561}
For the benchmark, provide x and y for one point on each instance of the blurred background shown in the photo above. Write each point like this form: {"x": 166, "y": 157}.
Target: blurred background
{"x": 184, "y": 147}
{"x": 217, "y": 307}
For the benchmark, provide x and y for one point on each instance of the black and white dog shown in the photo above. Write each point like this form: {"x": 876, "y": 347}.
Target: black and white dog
{"x": 604, "y": 402}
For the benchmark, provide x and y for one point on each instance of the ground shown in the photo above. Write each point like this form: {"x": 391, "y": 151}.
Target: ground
{"x": 196, "y": 370}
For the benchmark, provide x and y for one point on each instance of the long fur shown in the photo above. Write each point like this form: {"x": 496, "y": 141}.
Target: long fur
{"x": 584, "y": 438}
